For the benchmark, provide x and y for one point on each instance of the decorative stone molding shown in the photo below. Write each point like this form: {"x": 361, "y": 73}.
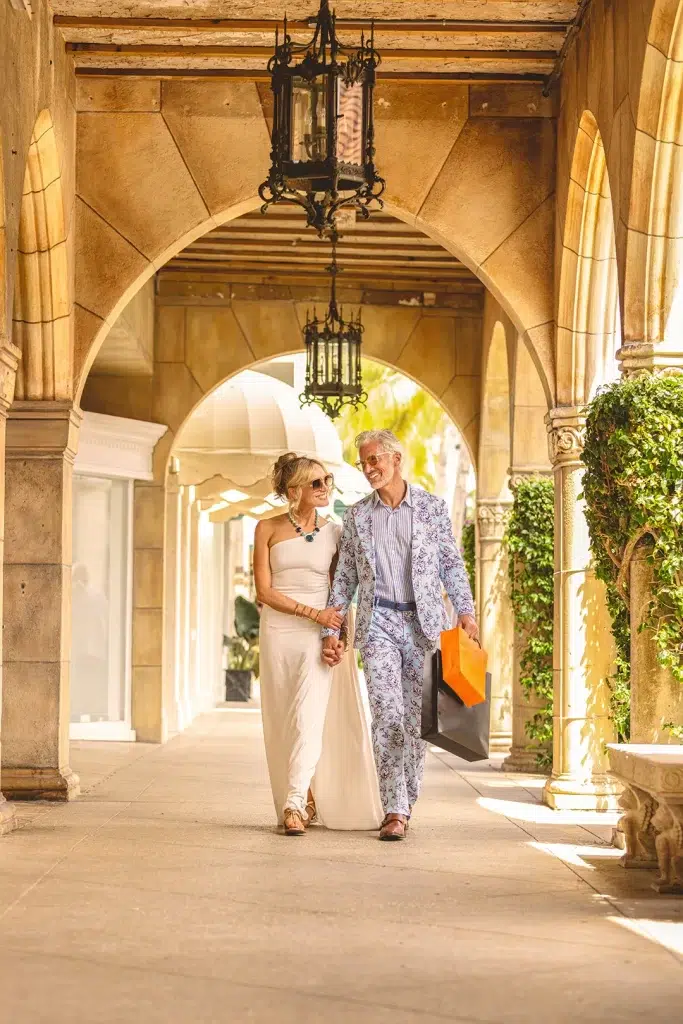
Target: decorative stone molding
{"x": 566, "y": 426}
{"x": 492, "y": 516}
{"x": 638, "y": 357}
{"x": 40, "y": 783}
{"x": 117, "y": 447}
{"x": 43, "y": 429}
{"x": 652, "y": 824}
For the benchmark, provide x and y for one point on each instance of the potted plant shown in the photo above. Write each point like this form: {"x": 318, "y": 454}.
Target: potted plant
{"x": 243, "y": 652}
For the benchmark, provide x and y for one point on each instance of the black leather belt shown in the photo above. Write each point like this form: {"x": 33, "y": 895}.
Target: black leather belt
{"x": 395, "y": 606}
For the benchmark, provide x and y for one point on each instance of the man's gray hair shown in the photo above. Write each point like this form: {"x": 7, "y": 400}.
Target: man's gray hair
{"x": 388, "y": 441}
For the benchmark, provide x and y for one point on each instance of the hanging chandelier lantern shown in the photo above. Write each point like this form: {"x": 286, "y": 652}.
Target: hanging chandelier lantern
{"x": 323, "y": 132}
{"x": 333, "y": 352}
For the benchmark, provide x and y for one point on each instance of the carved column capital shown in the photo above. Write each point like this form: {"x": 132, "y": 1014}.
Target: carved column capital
{"x": 492, "y": 516}
{"x": 9, "y": 360}
{"x": 43, "y": 429}
{"x": 566, "y": 428}
{"x": 520, "y": 473}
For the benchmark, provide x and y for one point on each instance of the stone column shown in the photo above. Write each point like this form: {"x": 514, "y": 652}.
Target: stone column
{"x": 42, "y": 438}
{"x": 9, "y": 357}
{"x": 172, "y": 617}
{"x": 656, "y": 697}
{"x": 183, "y": 626}
{"x": 583, "y": 651}
{"x": 193, "y": 667}
{"x": 149, "y": 719}
{"x": 524, "y": 706}
{"x": 495, "y": 615}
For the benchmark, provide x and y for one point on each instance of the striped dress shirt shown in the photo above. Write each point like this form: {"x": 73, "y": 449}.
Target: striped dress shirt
{"x": 392, "y": 530}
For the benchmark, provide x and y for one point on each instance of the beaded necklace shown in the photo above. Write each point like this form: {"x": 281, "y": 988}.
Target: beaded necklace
{"x": 310, "y": 537}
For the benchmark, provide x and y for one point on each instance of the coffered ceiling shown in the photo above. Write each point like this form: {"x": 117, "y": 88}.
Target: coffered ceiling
{"x": 468, "y": 40}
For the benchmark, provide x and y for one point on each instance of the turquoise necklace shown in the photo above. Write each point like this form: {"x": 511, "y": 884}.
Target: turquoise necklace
{"x": 310, "y": 537}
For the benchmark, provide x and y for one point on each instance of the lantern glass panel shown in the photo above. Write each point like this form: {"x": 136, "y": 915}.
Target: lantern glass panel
{"x": 350, "y": 123}
{"x": 309, "y": 120}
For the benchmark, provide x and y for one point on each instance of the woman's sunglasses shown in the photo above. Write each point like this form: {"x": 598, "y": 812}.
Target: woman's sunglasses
{"x": 320, "y": 482}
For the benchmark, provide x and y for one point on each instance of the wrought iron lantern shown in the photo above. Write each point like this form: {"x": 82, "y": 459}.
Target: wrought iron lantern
{"x": 323, "y": 132}
{"x": 333, "y": 351}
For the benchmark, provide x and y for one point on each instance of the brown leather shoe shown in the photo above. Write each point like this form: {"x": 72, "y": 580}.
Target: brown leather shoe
{"x": 393, "y": 828}
{"x": 294, "y": 823}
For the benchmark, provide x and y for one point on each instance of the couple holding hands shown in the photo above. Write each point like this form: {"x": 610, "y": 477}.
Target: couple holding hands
{"x": 396, "y": 549}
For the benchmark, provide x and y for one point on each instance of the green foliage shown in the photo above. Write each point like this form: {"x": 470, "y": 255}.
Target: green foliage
{"x": 243, "y": 649}
{"x": 529, "y": 541}
{"x": 395, "y": 403}
{"x": 633, "y": 487}
{"x": 469, "y": 551}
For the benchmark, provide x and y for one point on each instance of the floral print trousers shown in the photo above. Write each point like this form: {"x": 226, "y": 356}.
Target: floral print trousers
{"x": 393, "y": 660}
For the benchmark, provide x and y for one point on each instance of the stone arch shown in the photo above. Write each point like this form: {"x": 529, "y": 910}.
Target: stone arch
{"x": 495, "y": 437}
{"x": 42, "y": 316}
{"x": 653, "y": 299}
{"x": 3, "y": 255}
{"x": 194, "y": 159}
{"x": 588, "y": 306}
{"x": 440, "y": 350}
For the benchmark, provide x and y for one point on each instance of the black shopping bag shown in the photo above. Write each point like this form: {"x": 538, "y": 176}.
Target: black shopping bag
{"x": 446, "y": 722}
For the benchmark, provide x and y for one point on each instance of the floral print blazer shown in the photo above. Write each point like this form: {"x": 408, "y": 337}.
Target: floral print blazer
{"x": 437, "y": 566}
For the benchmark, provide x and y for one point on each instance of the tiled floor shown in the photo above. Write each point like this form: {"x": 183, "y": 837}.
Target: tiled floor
{"x": 165, "y": 895}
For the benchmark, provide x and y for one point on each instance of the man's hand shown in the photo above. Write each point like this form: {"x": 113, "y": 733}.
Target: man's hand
{"x": 469, "y": 624}
{"x": 333, "y": 650}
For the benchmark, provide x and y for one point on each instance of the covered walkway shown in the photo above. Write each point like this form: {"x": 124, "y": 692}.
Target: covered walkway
{"x": 164, "y": 895}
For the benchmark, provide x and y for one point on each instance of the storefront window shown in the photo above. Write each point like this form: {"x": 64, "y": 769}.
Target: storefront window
{"x": 100, "y": 576}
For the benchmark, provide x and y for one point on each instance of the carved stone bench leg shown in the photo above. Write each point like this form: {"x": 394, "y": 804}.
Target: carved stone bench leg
{"x": 668, "y": 821}
{"x": 637, "y": 826}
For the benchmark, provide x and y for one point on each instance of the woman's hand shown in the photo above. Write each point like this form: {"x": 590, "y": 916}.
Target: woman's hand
{"x": 330, "y": 618}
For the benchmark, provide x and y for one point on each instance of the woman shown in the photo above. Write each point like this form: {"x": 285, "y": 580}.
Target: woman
{"x": 314, "y": 723}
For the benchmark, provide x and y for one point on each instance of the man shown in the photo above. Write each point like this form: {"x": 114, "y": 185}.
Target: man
{"x": 397, "y": 549}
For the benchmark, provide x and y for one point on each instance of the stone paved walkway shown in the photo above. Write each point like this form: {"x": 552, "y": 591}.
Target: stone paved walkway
{"x": 164, "y": 895}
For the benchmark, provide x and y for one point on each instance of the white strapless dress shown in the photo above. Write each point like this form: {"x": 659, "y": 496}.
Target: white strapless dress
{"x": 315, "y": 719}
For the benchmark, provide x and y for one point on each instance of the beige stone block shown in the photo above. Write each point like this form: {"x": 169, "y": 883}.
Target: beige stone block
{"x": 528, "y": 388}
{"x": 117, "y": 94}
{"x": 429, "y": 355}
{"x": 462, "y": 399}
{"x": 36, "y": 527}
{"x": 169, "y": 338}
{"x": 147, "y": 632}
{"x": 387, "y": 330}
{"x": 106, "y": 264}
{"x": 148, "y": 572}
{"x": 53, "y": 207}
{"x": 530, "y": 438}
{"x": 270, "y": 328}
{"x": 539, "y": 342}
{"x": 523, "y": 266}
{"x": 147, "y": 698}
{"x": 31, "y": 702}
{"x": 131, "y": 173}
{"x": 503, "y": 169}
{"x": 215, "y": 348}
{"x": 87, "y": 327}
{"x": 119, "y": 396}
{"x": 468, "y": 343}
{"x": 220, "y": 130}
{"x": 37, "y": 613}
{"x": 176, "y": 393}
{"x": 431, "y": 118}
{"x": 148, "y": 516}
{"x": 523, "y": 100}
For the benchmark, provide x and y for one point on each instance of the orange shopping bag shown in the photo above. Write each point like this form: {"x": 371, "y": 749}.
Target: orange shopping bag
{"x": 464, "y": 666}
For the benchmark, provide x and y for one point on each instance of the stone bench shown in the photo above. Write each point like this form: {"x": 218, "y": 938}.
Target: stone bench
{"x": 652, "y": 800}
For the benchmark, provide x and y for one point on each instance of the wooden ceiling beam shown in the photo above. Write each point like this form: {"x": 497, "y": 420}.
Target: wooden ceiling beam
{"x": 245, "y": 25}
{"x": 265, "y": 52}
{"x": 249, "y": 75}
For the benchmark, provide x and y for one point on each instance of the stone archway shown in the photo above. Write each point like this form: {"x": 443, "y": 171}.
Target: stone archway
{"x": 587, "y": 333}
{"x": 653, "y": 301}
{"x": 160, "y": 164}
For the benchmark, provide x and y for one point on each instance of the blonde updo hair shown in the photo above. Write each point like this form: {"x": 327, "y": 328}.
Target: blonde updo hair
{"x": 292, "y": 471}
